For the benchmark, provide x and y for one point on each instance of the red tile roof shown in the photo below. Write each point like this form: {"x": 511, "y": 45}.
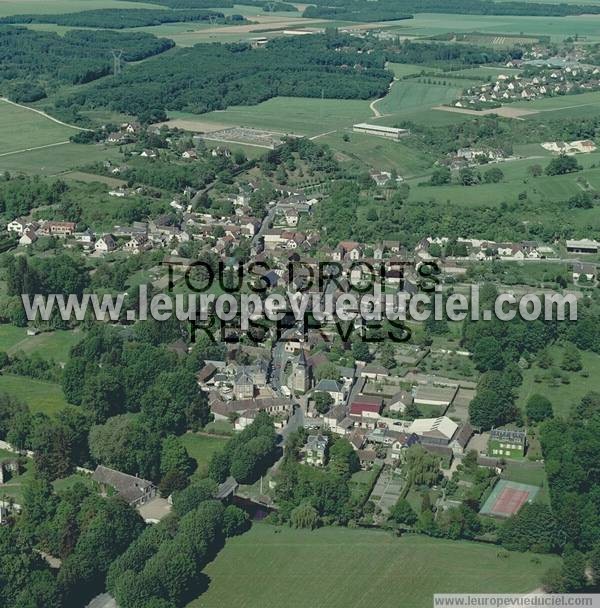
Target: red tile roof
{"x": 358, "y": 408}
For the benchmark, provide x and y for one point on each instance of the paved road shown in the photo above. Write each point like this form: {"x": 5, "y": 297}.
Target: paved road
{"x": 295, "y": 422}
{"x": 267, "y": 221}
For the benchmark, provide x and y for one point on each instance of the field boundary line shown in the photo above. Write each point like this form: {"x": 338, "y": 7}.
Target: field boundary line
{"x": 42, "y": 113}
{"x": 58, "y": 143}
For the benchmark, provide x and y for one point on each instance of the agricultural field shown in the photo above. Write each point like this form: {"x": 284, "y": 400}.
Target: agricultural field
{"x": 40, "y": 396}
{"x": 409, "y": 95}
{"x": 558, "y": 28}
{"x": 86, "y": 178}
{"x": 583, "y": 104}
{"x": 13, "y": 7}
{"x": 56, "y": 159}
{"x": 268, "y": 567}
{"x": 299, "y": 115}
{"x": 23, "y": 129}
{"x": 562, "y": 396}
{"x": 201, "y": 448}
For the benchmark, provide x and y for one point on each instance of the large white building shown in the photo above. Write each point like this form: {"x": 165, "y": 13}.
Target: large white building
{"x": 380, "y": 130}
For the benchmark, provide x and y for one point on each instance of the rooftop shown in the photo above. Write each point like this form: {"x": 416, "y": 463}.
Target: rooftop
{"x": 434, "y": 427}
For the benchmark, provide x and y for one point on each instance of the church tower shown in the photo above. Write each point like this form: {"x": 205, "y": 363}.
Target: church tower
{"x": 301, "y": 374}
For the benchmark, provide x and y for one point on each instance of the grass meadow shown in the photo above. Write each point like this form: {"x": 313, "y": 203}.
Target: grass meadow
{"x": 562, "y": 396}
{"x": 23, "y": 129}
{"x": 53, "y": 345}
{"x": 40, "y": 396}
{"x": 412, "y": 95}
{"x": 201, "y": 448}
{"x": 378, "y": 153}
{"x": 270, "y": 567}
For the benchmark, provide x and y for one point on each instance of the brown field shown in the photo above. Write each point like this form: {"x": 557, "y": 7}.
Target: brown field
{"x": 505, "y": 111}
{"x": 197, "y": 126}
{"x": 80, "y": 176}
{"x": 263, "y": 23}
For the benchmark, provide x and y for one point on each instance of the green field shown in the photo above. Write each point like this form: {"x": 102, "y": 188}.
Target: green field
{"x": 569, "y": 106}
{"x": 301, "y": 115}
{"x": 516, "y": 180}
{"x": 407, "y": 95}
{"x": 49, "y": 345}
{"x": 201, "y": 448}
{"x": 50, "y": 161}
{"x": 40, "y": 396}
{"x": 562, "y": 396}
{"x": 558, "y": 28}
{"x": 344, "y": 568}
{"x": 13, "y": 7}
{"x": 23, "y": 129}
{"x": 378, "y": 153}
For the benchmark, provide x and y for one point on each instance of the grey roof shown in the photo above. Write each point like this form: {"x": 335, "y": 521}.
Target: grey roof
{"x": 328, "y": 386}
{"x": 504, "y": 435}
{"x": 317, "y": 442}
{"x": 129, "y": 487}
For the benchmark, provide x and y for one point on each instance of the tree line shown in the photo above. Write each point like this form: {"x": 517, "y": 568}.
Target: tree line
{"x": 121, "y": 18}
{"x": 391, "y": 10}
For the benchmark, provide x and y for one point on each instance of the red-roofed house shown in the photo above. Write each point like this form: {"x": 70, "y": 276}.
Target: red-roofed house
{"x": 365, "y": 413}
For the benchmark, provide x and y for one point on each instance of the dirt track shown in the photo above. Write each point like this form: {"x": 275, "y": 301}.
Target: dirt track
{"x": 505, "y": 111}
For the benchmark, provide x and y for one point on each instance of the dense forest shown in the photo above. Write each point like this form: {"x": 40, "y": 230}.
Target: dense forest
{"x": 29, "y": 60}
{"x": 122, "y": 18}
{"x": 388, "y": 10}
{"x": 264, "y": 4}
{"x": 235, "y": 74}
{"x": 447, "y": 55}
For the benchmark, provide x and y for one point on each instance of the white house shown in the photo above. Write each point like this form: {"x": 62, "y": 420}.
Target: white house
{"x": 28, "y": 237}
{"x": 105, "y": 244}
{"x": 16, "y": 226}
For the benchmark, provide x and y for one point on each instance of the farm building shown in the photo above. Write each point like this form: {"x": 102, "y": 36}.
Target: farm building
{"x": 583, "y": 246}
{"x": 134, "y": 490}
{"x": 379, "y": 130}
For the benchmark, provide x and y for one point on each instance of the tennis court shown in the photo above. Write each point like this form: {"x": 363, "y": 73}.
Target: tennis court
{"x": 507, "y": 498}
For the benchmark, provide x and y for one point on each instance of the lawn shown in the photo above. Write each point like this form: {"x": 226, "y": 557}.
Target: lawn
{"x": 344, "y": 568}
{"x": 201, "y": 448}
{"x": 49, "y": 345}
{"x": 13, "y": 488}
{"x": 530, "y": 473}
{"x": 40, "y": 396}
{"x": 22, "y": 129}
{"x": 562, "y": 396}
